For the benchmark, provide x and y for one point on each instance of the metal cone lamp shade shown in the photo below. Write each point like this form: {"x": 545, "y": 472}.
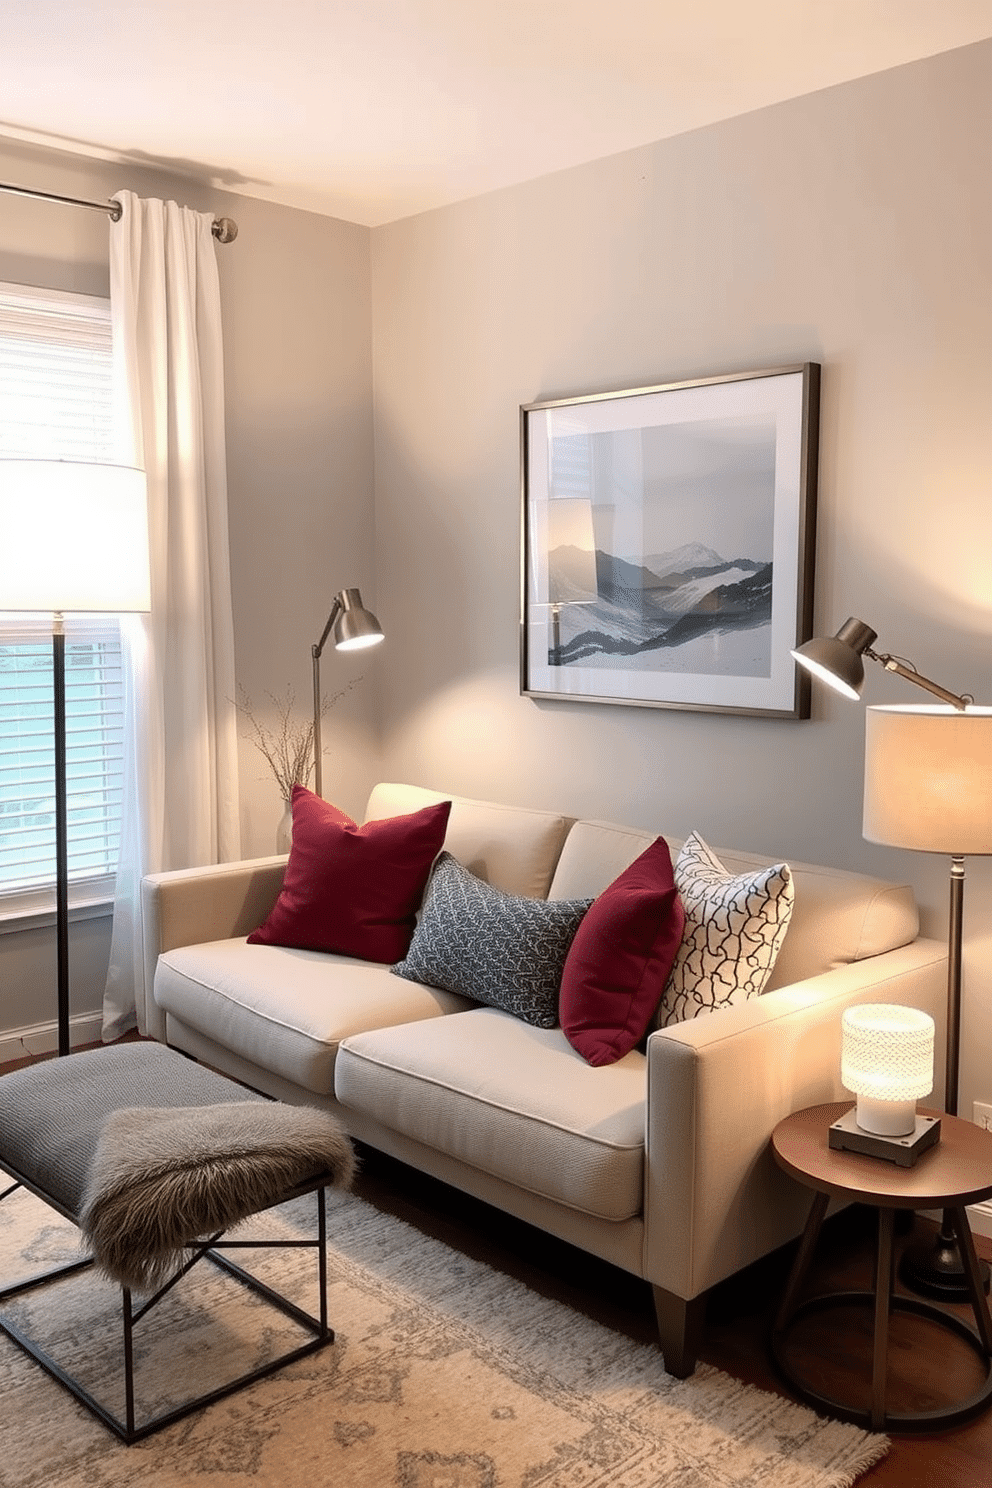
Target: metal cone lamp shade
{"x": 355, "y": 627}
{"x": 836, "y": 660}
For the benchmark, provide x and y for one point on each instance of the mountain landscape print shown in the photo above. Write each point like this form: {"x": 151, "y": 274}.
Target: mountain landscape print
{"x": 659, "y": 608}
{"x": 668, "y": 543}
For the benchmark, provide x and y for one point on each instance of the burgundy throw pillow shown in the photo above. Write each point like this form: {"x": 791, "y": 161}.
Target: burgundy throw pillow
{"x": 350, "y": 889}
{"x": 618, "y": 963}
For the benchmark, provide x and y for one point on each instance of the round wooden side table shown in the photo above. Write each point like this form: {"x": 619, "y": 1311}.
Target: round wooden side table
{"x": 954, "y": 1173}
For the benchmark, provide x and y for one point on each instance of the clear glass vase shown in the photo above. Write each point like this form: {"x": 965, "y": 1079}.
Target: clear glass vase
{"x": 284, "y": 830}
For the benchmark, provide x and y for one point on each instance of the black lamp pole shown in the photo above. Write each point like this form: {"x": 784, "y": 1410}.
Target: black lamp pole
{"x": 934, "y": 1268}
{"x": 61, "y": 833}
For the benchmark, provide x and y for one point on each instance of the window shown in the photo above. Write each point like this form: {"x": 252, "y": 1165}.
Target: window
{"x": 56, "y": 402}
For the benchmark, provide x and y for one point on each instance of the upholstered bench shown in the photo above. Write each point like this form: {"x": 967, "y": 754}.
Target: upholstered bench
{"x": 154, "y": 1158}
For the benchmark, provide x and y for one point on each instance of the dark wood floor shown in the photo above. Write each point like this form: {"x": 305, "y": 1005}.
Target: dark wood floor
{"x": 923, "y": 1362}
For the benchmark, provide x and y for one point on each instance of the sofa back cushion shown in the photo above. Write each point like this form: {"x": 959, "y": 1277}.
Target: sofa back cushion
{"x": 511, "y": 847}
{"x": 838, "y": 917}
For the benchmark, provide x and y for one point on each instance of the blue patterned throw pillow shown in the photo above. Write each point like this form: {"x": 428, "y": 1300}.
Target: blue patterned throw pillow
{"x": 497, "y": 948}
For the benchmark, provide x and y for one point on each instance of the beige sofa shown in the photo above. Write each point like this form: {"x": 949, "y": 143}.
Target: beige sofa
{"x": 658, "y": 1163}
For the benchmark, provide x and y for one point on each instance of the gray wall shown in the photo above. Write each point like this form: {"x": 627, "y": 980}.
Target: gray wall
{"x": 852, "y": 227}
{"x": 296, "y": 308}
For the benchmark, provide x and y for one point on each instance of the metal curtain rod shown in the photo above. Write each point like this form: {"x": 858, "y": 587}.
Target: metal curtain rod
{"x": 224, "y": 229}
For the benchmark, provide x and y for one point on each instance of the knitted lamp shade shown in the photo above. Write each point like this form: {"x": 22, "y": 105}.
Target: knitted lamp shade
{"x": 887, "y": 1062}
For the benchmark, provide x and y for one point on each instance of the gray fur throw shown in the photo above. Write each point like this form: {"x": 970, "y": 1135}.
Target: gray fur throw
{"x": 163, "y": 1178}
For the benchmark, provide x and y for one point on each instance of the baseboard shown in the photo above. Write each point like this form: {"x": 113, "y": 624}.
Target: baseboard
{"x": 43, "y": 1038}
{"x": 980, "y": 1218}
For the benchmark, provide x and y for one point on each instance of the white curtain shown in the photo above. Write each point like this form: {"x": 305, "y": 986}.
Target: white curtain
{"x": 180, "y": 805}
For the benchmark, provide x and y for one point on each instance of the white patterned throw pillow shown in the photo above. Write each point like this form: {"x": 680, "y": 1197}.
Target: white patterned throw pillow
{"x": 734, "y": 927}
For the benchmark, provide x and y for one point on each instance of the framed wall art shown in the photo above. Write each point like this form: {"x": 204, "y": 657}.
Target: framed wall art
{"x": 668, "y": 540}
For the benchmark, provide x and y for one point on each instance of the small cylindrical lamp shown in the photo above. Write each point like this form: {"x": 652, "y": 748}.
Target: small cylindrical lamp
{"x": 887, "y": 1062}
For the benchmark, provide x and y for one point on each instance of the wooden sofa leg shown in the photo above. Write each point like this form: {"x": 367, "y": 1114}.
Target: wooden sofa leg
{"x": 680, "y": 1330}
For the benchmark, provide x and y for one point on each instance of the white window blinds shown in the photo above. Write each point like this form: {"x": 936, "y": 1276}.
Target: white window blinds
{"x": 55, "y": 402}
{"x": 55, "y": 375}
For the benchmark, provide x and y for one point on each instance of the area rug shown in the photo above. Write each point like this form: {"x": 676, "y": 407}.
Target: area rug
{"x": 443, "y": 1374}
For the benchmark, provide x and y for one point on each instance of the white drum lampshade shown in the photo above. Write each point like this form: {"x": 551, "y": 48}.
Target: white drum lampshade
{"x": 887, "y": 1062}
{"x": 75, "y": 537}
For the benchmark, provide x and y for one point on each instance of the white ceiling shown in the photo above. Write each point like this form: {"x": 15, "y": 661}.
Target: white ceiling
{"x": 373, "y": 110}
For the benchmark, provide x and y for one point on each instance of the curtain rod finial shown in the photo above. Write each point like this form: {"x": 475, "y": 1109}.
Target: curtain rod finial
{"x": 225, "y": 230}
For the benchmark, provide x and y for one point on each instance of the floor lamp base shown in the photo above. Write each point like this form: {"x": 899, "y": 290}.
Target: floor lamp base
{"x": 932, "y": 1268}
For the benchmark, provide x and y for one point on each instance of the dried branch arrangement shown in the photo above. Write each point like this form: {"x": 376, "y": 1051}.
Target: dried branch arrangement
{"x": 287, "y": 747}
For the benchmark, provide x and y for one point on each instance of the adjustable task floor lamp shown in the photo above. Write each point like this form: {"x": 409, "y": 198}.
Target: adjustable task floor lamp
{"x": 73, "y": 537}
{"x": 355, "y": 628}
{"x": 928, "y": 787}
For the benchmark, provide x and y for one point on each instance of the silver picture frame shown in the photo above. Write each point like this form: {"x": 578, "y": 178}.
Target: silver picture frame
{"x": 668, "y": 539}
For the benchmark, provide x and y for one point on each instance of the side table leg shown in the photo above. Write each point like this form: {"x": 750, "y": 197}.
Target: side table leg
{"x": 973, "y": 1276}
{"x": 801, "y": 1264}
{"x": 883, "y": 1302}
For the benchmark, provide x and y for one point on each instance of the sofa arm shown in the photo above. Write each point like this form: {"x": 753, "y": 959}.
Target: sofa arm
{"x": 192, "y": 905}
{"x": 717, "y": 1086}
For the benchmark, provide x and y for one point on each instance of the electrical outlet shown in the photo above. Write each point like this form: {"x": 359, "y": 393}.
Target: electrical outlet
{"x": 983, "y": 1115}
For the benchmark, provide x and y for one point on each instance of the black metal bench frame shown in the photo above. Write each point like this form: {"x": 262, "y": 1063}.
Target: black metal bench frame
{"x": 128, "y": 1429}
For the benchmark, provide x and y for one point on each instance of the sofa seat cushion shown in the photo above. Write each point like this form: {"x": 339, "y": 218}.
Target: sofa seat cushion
{"x": 511, "y": 1100}
{"x": 286, "y": 1009}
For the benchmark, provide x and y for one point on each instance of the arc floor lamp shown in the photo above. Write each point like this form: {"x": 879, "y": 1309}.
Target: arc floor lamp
{"x": 73, "y": 537}
{"x": 927, "y": 787}
{"x": 354, "y": 629}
